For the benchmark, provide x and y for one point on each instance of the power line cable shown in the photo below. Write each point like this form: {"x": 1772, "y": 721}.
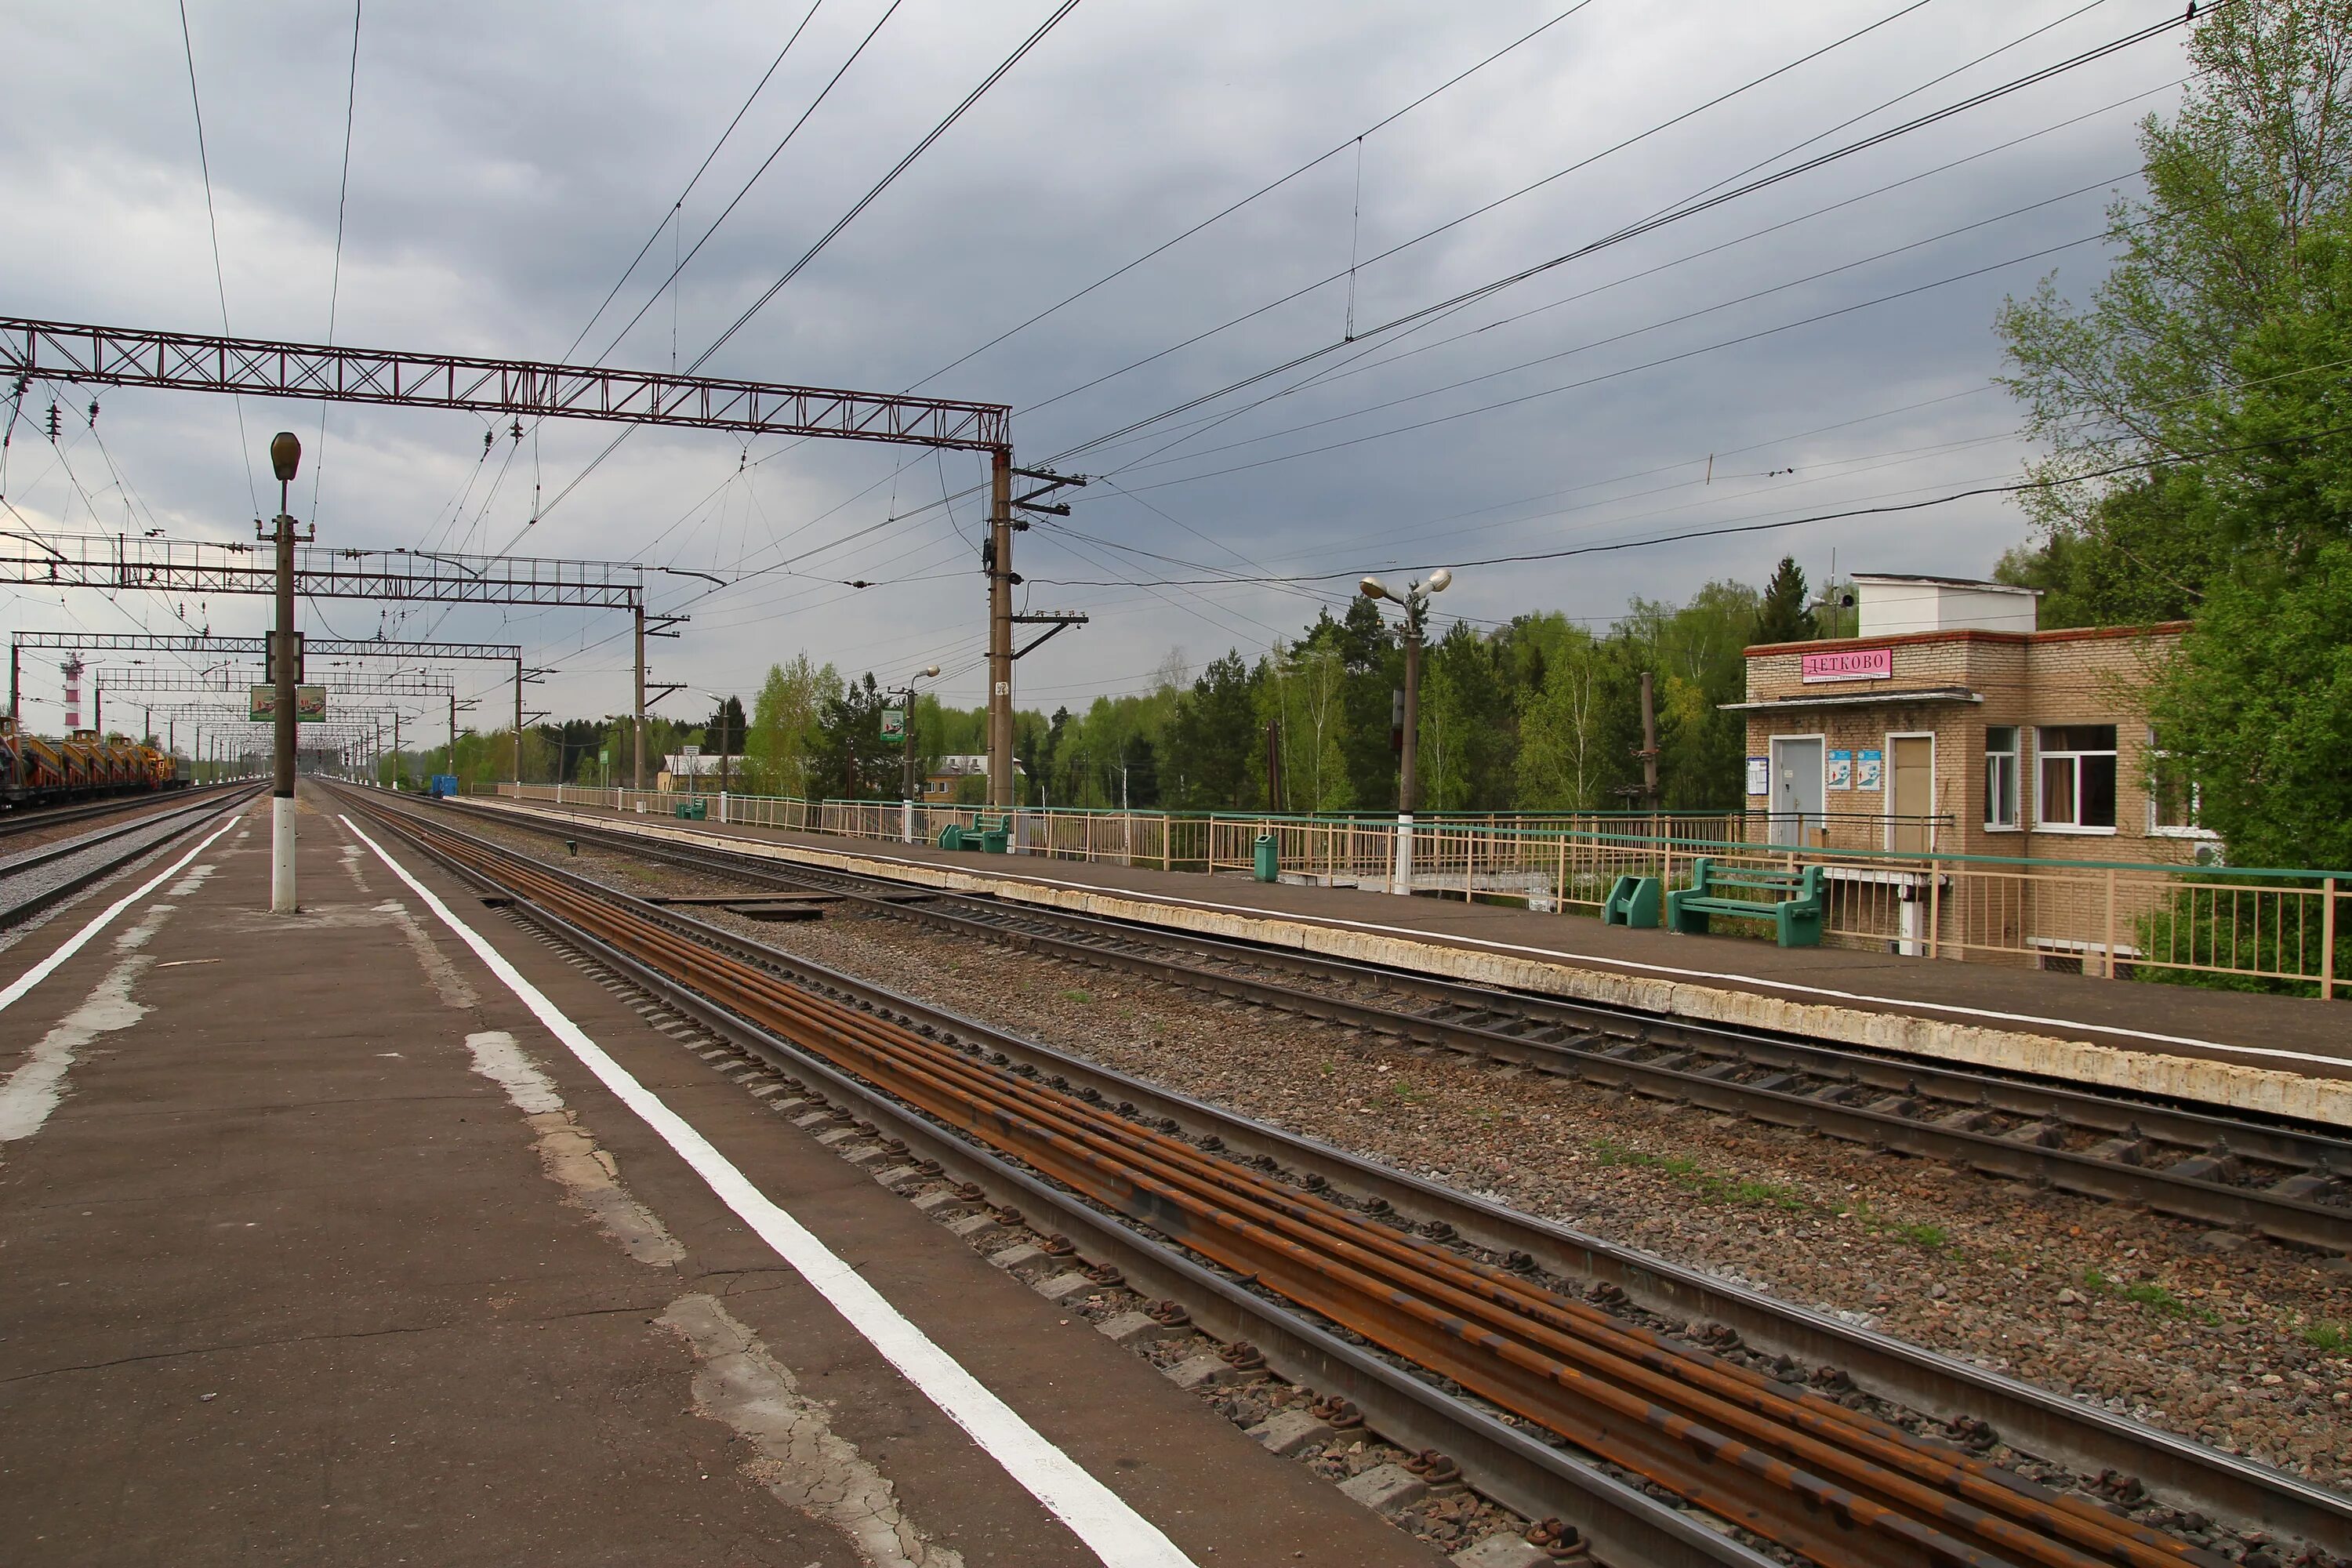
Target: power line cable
{"x": 335, "y": 279}
{"x": 1151, "y": 461}
{"x": 2142, "y": 465}
{"x": 810, "y": 254}
{"x": 773, "y": 153}
{"x": 669, "y": 218}
{"x": 1557, "y": 174}
{"x": 1656, "y": 221}
{"x": 212, "y": 223}
{"x": 1265, "y": 190}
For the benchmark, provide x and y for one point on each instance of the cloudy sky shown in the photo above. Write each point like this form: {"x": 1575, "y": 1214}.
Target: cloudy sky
{"x": 1821, "y": 344}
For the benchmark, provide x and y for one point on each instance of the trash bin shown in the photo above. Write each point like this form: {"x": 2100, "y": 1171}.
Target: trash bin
{"x": 1268, "y": 862}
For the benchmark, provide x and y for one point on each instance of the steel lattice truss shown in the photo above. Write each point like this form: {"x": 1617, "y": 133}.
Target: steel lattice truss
{"x": 118, "y": 356}
{"x": 252, "y": 648}
{"x": 118, "y": 562}
{"x": 227, "y": 680}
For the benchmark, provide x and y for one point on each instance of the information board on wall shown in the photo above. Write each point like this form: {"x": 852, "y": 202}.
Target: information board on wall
{"x": 1866, "y": 767}
{"x": 1840, "y": 770}
{"x": 1760, "y": 775}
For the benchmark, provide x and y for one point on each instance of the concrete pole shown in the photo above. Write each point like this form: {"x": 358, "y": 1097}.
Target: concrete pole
{"x": 1000, "y": 629}
{"x": 453, "y": 733}
{"x": 1409, "y": 777}
{"x": 518, "y": 731}
{"x": 285, "y": 453}
{"x": 16, "y": 716}
{"x": 637, "y": 774}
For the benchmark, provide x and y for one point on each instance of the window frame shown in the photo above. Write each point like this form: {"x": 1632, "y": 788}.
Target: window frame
{"x": 2015, "y": 755}
{"x": 2045, "y": 754}
{"x": 2192, "y": 829}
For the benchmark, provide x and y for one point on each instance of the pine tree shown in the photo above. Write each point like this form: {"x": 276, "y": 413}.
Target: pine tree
{"x": 1784, "y": 616}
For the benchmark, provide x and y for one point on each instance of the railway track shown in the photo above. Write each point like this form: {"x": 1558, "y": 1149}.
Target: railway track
{"x": 34, "y": 820}
{"x": 2290, "y": 1184}
{"x": 40, "y": 878}
{"x": 1448, "y": 1320}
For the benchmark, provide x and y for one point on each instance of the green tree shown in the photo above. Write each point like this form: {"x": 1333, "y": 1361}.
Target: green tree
{"x": 782, "y": 742}
{"x": 853, "y": 763}
{"x": 1212, "y": 735}
{"x": 1784, "y": 615}
{"x": 2250, "y": 168}
{"x": 2140, "y": 554}
{"x": 2258, "y": 709}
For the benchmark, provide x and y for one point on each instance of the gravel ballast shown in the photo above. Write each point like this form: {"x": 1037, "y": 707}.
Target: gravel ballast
{"x": 2234, "y": 1342}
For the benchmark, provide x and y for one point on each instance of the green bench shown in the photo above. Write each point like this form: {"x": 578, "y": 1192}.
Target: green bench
{"x": 989, "y": 835}
{"x": 1790, "y": 899}
{"x": 697, "y": 810}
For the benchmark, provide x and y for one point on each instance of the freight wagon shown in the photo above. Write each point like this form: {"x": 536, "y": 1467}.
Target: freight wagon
{"x": 36, "y": 772}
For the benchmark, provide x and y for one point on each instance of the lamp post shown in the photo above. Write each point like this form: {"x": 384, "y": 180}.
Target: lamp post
{"x": 1415, "y": 601}
{"x": 907, "y": 742}
{"x": 285, "y": 458}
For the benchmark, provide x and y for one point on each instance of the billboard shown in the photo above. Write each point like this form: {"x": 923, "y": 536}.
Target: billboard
{"x": 310, "y": 704}
{"x": 894, "y": 725}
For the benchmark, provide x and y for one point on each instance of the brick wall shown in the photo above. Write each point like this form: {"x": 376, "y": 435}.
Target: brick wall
{"x": 2028, "y": 680}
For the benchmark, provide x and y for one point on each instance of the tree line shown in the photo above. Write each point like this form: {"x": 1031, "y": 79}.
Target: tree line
{"x": 1537, "y": 712}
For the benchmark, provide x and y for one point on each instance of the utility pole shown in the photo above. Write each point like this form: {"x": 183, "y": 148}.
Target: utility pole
{"x": 998, "y": 562}
{"x": 15, "y": 717}
{"x": 1415, "y": 601}
{"x": 638, "y": 775}
{"x": 452, "y": 732}
{"x": 285, "y": 458}
{"x": 518, "y": 730}
{"x": 396, "y": 748}
{"x": 1649, "y": 742}
{"x": 906, "y": 745}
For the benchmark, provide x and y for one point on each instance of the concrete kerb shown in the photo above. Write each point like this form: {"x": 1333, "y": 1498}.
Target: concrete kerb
{"x": 2263, "y": 1090}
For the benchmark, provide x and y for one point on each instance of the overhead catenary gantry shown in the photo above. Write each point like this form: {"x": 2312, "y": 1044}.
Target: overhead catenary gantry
{"x": 210, "y": 646}
{"x": 137, "y": 357}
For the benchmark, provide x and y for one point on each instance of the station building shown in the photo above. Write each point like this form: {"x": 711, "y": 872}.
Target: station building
{"x": 1952, "y": 724}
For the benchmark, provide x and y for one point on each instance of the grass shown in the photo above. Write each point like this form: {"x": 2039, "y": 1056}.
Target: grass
{"x": 2145, "y": 1293}
{"x": 1708, "y": 1186}
{"x": 2333, "y": 1338}
{"x": 1077, "y": 995}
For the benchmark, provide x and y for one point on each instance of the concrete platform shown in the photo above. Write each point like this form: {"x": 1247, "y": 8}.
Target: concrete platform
{"x": 323, "y": 1245}
{"x": 2275, "y": 1054}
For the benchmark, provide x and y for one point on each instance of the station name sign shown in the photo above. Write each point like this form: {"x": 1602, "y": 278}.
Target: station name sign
{"x": 1851, "y": 664}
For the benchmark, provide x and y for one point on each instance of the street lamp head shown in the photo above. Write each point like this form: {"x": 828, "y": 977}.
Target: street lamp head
{"x": 928, "y": 671}
{"x": 285, "y": 456}
{"x": 1439, "y": 579}
{"x": 1373, "y": 588}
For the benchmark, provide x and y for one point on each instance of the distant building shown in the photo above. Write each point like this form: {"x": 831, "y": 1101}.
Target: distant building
{"x": 1951, "y": 723}
{"x": 947, "y": 772}
{"x": 693, "y": 770}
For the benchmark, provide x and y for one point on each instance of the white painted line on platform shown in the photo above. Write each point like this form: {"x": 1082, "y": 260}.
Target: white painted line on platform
{"x": 1097, "y": 1515}
{"x": 36, "y": 1089}
{"x": 106, "y": 917}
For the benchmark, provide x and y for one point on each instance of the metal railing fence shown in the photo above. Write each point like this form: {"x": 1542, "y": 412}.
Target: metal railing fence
{"x": 2262, "y": 928}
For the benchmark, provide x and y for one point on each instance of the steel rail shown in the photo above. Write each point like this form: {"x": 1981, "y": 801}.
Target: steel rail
{"x": 1919, "y": 1108}
{"x": 106, "y": 845}
{"x": 2177, "y": 1470}
{"x": 1800, "y": 1469}
{"x": 32, "y": 820}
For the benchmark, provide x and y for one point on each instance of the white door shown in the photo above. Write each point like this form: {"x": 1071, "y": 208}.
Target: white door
{"x": 1796, "y": 789}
